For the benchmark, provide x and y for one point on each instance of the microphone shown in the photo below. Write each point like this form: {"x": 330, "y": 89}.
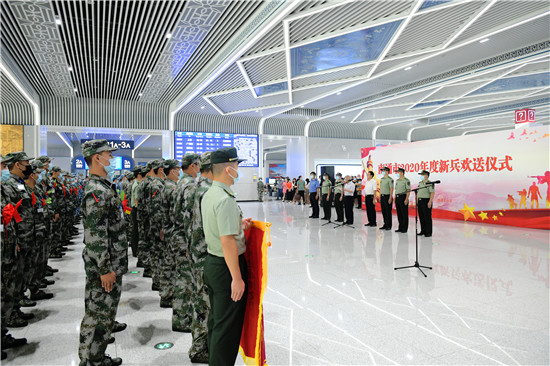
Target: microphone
{"x": 434, "y": 182}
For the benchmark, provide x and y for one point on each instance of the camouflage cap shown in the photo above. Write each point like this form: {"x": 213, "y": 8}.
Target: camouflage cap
{"x": 171, "y": 163}
{"x": 144, "y": 169}
{"x": 190, "y": 158}
{"x": 206, "y": 159}
{"x": 151, "y": 165}
{"x": 55, "y": 169}
{"x": 137, "y": 169}
{"x": 14, "y": 157}
{"x": 129, "y": 175}
{"x": 45, "y": 159}
{"x": 92, "y": 147}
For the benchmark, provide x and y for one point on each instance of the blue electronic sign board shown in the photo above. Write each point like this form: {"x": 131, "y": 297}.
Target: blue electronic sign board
{"x": 200, "y": 142}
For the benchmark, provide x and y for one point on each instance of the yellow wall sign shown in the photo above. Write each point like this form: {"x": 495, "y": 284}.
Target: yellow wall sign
{"x": 11, "y": 138}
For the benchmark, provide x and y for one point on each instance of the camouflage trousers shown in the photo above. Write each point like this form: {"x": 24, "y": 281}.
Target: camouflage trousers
{"x": 129, "y": 227}
{"x": 144, "y": 244}
{"x": 100, "y": 310}
{"x": 9, "y": 290}
{"x": 200, "y": 303}
{"x": 183, "y": 289}
{"x": 30, "y": 256}
{"x": 167, "y": 275}
{"x": 261, "y": 196}
{"x": 156, "y": 255}
{"x": 38, "y": 265}
{"x": 18, "y": 282}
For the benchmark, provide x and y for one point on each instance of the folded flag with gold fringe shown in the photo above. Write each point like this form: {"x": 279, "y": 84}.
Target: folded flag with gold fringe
{"x": 252, "y": 347}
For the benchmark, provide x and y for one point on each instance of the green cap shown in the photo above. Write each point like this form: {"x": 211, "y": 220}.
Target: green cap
{"x": 137, "y": 169}
{"x": 206, "y": 159}
{"x": 92, "y": 147}
{"x": 15, "y": 157}
{"x": 151, "y": 164}
{"x": 45, "y": 159}
{"x": 190, "y": 158}
{"x": 424, "y": 172}
{"x": 225, "y": 155}
{"x": 55, "y": 168}
{"x": 171, "y": 163}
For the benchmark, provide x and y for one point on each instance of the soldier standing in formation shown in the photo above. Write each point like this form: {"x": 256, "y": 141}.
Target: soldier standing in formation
{"x": 156, "y": 187}
{"x": 137, "y": 171}
{"x": 425, "y": 199}
{"x": 402, "y": 192}
{"x": 105, "y": 255}
{"x": 326, "y": 189}
{"x": 386, "y": 198}
{"x": 179, "y": 246}
{"x": 261, "y": 190}
{"x": 144, "y": 243}
{"x": 338, "y": 197}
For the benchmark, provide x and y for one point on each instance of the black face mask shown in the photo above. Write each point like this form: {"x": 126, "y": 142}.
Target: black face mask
{"x": 28, "y": 171}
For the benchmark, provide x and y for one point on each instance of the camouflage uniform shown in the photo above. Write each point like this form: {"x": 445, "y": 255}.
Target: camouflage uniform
{"x": 59, "y": 207}
{"x": 200, "y": 302}
{"x": 144, "y": 244}
{"x": 127, "y": 194}
{"x": 15, "y": 192}
{"x": 166, "y": 260}
{"x": 105, "y": 251}
{"x": 182, "y": 314}
{"x": 156, "y": 218}
{"x": 261, "y": 189}
{"x": 46, "y": 185}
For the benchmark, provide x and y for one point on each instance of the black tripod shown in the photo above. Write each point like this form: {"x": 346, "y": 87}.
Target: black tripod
{"x": 416, "y": 264}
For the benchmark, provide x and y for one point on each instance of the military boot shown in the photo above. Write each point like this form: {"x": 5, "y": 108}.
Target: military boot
{"x": 108, "y": 361}
{"x": 9, "y": 342}
{"x": 26, "y": 303}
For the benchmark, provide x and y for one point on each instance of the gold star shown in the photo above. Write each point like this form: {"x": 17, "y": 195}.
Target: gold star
{"x": 467, "y": 212}
{"x": 495, "y": 217}
{"x": 483, "y": 215}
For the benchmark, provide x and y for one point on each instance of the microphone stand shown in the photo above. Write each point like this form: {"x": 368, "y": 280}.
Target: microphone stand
{"x": 416, "y": 264}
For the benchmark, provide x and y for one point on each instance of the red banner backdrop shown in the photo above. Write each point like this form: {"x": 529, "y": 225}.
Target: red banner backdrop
{"x": 501, "y": 178}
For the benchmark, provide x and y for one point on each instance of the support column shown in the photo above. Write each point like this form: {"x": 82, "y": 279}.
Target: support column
{"x": 296, "y": 155}
{"x": 31, "y": 140}
{"x": 168, "y": 144}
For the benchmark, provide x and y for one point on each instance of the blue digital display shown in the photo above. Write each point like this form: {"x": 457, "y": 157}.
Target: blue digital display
{"x": 348, "y": 49}
{"x": 429, "y": 3}
{"x": 515, "y": 83}
{"x": 200, "y": 142}
{"x": 271, "y": 88}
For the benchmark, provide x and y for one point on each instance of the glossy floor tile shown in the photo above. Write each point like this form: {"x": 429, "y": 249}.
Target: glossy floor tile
{"x": 334, "y": 298}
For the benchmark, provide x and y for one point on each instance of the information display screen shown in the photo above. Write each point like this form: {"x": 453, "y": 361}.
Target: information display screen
{"x": 200, "y": 142}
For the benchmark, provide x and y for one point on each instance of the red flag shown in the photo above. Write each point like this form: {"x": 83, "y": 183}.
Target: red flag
{"x": 252, "y": 346}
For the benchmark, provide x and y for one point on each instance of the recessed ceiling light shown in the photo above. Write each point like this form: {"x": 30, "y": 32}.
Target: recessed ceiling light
{"x": 484, "y": 40}
{"x": 149, "y": 75}
{"x": 343, "y": 117}
{"x": 168, "y": 35}
{"x": 140, "y": 94}
{"x": 202, "y": 107}
{"x": 58, "y": 21}
{"x": 257, "y": 110}
{"x": 408, "y": 68}
{"x": 338, "y": 93}
{"x": 70, "y": 68}
{"x": 75, "y": 90}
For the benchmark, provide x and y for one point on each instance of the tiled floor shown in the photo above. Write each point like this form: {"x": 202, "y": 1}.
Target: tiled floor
{"x": 334, "y": 298}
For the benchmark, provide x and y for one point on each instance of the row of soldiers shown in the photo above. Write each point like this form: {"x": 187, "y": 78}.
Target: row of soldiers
{"x": 39, "y": 213}
{"x": 164, "y": 229}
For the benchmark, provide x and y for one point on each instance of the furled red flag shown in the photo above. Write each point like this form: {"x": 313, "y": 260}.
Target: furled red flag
{"x": 252, "y": 346}
{"x": 127, "y": 209}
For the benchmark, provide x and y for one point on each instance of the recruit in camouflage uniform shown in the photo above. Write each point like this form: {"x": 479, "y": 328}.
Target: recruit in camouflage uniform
{"x": 156, "y": 218}
{"x": 200, "y": 302}
{"x": 46, "y": 184}
{"x": 181, "y": 314}
{"x": 166, "y": 291}
{"x": 144, "y": 243}
{"x": 105, "y": 254}
{"x": 10, "y": 257}
{"x": 58, "y": 207}
{"x": 15, "y": 192}
{"x": 134, "y": 215}
{"x": 126, "y": 196}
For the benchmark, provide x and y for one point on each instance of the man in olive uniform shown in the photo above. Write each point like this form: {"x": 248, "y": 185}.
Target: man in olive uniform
{"x": 261, "y": 189}
{"x": 338, "y": 202}
{"x": 426, "y": 194}
{"x": 105, "y": 256}
{"x": 402, "y": 192}
{"x": 17, "y": 194}
{"x": 225, "y": 271}
{"x": 10, "y": 259}
{"x": 172, "y": 170}
{"x": 197, "y": 255}
{"x": 386, "y": 197}
{"x": 182, "y": 314}
{"x": 326, "y": 189}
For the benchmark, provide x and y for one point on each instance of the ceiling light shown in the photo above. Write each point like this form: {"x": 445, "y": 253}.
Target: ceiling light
{"x": 343, "y": 117}
{"x": 140, "y": 94}
{"x": 149, "y": 75}
{"x": 75, "y": 90}
{"x": 408, "y": 68}
{"x": 70, "y": 68}
{"x": 168, "y": 35}
{"x": 202, "y": 107}
{"x": 58, "y": 21}
{"x": 338, "y": 93}
{"x": 484, "y": 40}
{"x": 257, "y": 110}
{"x": 302, "y": 106}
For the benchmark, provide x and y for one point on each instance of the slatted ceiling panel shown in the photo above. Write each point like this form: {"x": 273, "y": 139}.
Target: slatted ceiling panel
{"x": 339, "y": 130}
{"x": 435, "y": 27}
{"x": 268, "y": 68}
{"x": 246, "y": 101}
{"x": 283, "y": 127}
{"x": 272, "y": 39}
{"x": 14, "y": 107}
{"x": 81, "y": 112}
{"x": 451, "y": 92}
{"x": 231, "y": 78}
{"x": 215, "y": 123}
{"x": 332, "y": 76}
{"x": 113, "y": 45}
{"x": 347, "y": 15}
{"x": 234, "y": 17}
{"x": 307, "y": 5}
{"x": 533, "y": 68}
{"x": 501, "y": 13}
{"x": 395, "y": 64}
{"x": 13, "y": 42}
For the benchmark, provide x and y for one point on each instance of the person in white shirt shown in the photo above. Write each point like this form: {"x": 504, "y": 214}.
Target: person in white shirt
{"x": 349, "y": 189}
{"x": 370, "y": 198}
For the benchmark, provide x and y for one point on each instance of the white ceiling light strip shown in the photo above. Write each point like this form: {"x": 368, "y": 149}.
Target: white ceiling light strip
{"x": 286, "y": 33}
{"x": 470, "y": 22}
